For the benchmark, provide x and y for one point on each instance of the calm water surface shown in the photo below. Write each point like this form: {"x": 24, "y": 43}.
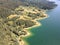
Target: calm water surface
{"x": 49, "y": 32}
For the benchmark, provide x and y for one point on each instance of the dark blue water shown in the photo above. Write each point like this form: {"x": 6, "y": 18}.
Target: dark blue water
{"x": 49, "y": 32}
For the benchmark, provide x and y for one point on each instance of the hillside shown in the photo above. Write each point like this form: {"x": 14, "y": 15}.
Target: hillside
{"x": 12, "y": 4}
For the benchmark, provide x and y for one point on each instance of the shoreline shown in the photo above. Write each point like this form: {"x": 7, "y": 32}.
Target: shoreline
{"x": 36, "y": 25}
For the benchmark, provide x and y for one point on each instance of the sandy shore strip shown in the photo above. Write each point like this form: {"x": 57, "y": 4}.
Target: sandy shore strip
{"x": 23, "y": 43}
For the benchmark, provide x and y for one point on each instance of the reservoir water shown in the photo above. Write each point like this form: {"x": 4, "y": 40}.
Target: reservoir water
{"x": 49, "y": 32}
